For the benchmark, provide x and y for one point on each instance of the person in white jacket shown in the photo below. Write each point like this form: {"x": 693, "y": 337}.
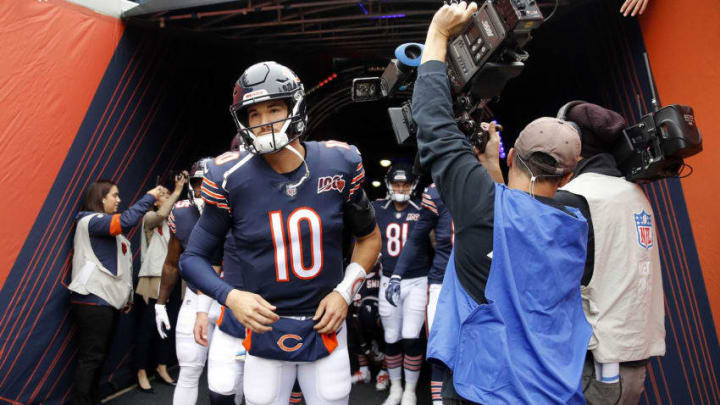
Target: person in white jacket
{"x": 622, "y": 289}
{"x": 101, "y": 281}
{"x": 149, "y": 348}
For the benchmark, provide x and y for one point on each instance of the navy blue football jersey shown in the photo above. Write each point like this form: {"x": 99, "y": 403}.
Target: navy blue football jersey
{"x": 444, "y": 232}
{"x": 181, "y": 221}
{"x": 395, "y": 227}
{"x": 288, "y": 240}
{"x": 183, "y": 217}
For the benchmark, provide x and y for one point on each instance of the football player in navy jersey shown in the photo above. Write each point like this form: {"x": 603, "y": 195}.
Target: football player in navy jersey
{"x": 286, "y": 203}
{"x": 191, "y": 355}
{"x": 367, "y": 329}
{"x": 396, "y": 217}
{"x": 433, "y": 217}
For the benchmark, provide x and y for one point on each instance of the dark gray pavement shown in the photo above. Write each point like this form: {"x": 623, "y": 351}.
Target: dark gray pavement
{"x": 362, "y": 394}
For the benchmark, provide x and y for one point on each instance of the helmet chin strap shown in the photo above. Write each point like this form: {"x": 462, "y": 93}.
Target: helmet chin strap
{"x": 307, "y": 169}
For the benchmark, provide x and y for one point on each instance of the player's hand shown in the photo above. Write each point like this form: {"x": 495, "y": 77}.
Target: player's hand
{"x": 161, "y": 319}
{"x": 451, "y": 18}
{"x": 200, "y": 330}
{"x": 180, "y": 180}
{"x": 491, "y": 155}
{"x": 392, "y": 293}
{"x": 330, "y": 313}
{"x": 157, "y": 192}
{"x": 251, "y": 310}
{"x": 633, "y": 7}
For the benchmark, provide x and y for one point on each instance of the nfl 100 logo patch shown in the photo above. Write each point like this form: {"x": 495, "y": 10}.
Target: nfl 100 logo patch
{"x": 643, "y": 225}
{"x": 331, "y": 183}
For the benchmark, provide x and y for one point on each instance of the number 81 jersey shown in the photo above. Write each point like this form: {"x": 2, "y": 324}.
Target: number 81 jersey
{"x": 288, "y": 240}
{"x": 395, "y": 227}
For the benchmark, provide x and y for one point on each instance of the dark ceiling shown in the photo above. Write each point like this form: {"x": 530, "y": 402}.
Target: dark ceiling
{"x": 353, "y": 39}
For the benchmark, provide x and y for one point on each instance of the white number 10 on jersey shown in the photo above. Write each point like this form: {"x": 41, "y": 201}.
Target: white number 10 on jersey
{"x": 297, "y": 262}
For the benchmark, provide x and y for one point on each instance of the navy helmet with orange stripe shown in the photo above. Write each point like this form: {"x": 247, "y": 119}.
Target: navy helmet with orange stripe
{"x": 197, "y": 172}
{"x": 263, "y": 82}
{"x": 400, "y": 173}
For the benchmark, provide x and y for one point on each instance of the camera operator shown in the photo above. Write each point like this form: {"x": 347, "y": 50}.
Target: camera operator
{"x": 622, "y": 287}
{"x": 512, "y": 328}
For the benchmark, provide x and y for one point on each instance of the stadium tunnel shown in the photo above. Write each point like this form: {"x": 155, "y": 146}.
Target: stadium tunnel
{"x": 135, "y": 91}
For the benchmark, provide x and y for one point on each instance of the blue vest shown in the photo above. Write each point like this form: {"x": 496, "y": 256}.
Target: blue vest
{"x": 527, "y": 345}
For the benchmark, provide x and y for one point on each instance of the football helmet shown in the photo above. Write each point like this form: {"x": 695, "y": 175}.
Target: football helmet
{"x": 262, "y": 82}
{"x": 197, "y": 172}
{"x": 402, "y": 173}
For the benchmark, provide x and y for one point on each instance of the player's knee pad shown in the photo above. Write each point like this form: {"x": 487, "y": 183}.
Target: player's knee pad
{"x": 391, "y": 322}
{"x": 332, "y": 375}
{"x": 224, "y": 370}
{"x": 189, "y": 353}
{"x": 262, "y": 380}
{"x": 189, "y": 376}
{"x": 413, "y": 307}
{"x": 223, "y": 376}
{"x": 220, "y": 399}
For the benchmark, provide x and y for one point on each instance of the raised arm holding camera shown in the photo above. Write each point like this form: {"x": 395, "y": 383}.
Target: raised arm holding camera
{"x": 513, "y": 329}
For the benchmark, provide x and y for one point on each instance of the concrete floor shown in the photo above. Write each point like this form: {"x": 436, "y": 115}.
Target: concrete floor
{"x": 362, "y": 394}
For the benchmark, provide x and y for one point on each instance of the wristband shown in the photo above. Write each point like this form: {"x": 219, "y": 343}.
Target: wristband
{"x": 351, "y": 283}
{"x": 204, "y": 303}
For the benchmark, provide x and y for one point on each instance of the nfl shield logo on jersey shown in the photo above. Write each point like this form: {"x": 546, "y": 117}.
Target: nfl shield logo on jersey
{"x": 643, "y": 224}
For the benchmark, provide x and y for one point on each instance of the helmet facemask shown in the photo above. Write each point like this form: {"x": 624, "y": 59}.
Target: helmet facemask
{"x": 398, "y": 196}
{"x": 292, "y": 126}
{"x": 400, "y": 174}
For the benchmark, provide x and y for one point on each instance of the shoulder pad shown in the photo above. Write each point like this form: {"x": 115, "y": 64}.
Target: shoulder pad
{"x": 348, "y": 151}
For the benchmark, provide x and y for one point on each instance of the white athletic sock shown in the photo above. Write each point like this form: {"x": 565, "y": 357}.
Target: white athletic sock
{"x": 411, "y": 378}
{"x": 395, "y": 374}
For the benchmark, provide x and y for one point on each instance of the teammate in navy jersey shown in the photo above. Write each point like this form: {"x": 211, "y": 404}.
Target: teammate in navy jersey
{"x": 191, "y": 355}
{"x": 396, "y": 217}
{"x": 287, "y": 204}
{"x": 367, "y": 329}
{"x": 434, "y": 217}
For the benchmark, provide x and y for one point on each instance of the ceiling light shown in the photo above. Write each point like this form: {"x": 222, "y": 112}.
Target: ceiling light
{"x": 385, "y": 163}
{"x": 376, "y": 183}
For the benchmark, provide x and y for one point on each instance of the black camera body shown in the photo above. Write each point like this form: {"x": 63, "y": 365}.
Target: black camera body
{"x": 496, "y": 33}
{"x": 655, "y": 147}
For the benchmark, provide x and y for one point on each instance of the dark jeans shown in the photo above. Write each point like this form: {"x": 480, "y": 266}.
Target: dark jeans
{"x": 95, "y": 329}
{"x": 147, "y": 338}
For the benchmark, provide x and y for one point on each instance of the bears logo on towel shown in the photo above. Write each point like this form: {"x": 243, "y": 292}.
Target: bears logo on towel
{"x": 290, "y": 338}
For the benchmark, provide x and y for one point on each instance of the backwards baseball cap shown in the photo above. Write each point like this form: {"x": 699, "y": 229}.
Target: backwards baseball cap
{"x": 599, "y": 127}
{"x": 555, "y": 137}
